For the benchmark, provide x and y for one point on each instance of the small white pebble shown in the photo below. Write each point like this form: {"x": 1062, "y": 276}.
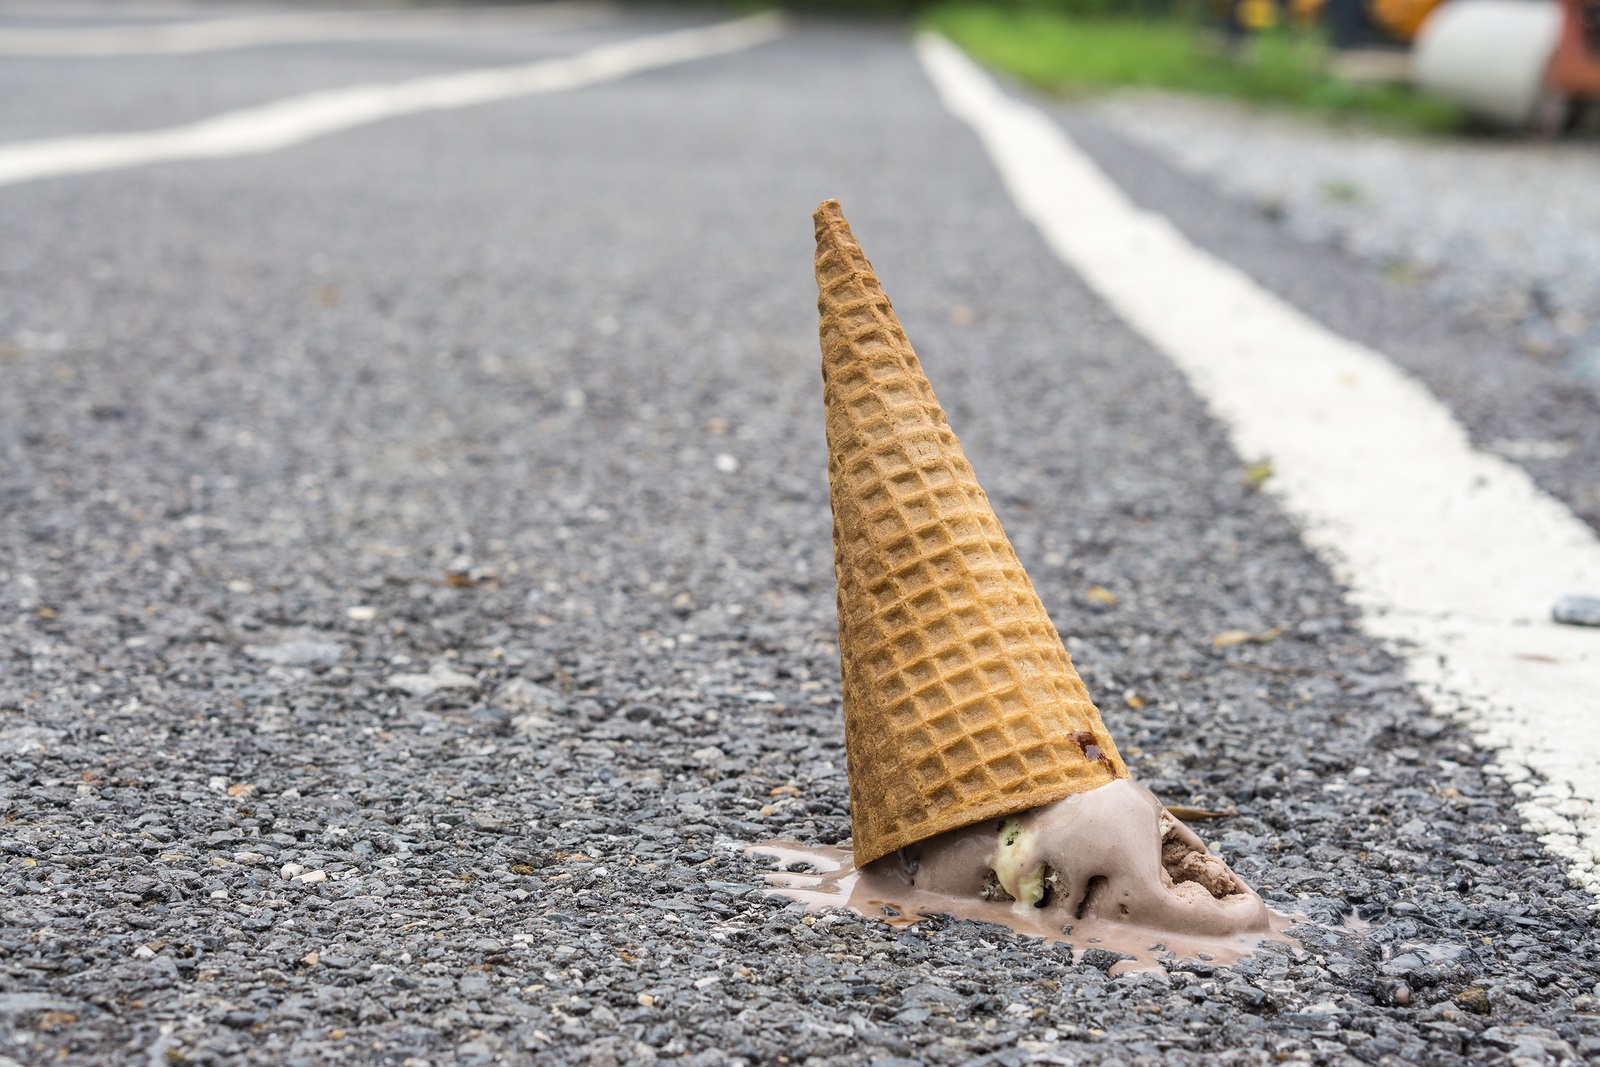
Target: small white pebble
{"x": 313, "y": 877}
{"x": 291, "y": 870}
{"x": 725, "y": 463}
{"x": 361, "y": 613}
{"x": 144, "y": 952}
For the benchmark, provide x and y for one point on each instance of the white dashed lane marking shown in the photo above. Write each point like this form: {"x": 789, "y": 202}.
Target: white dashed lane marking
{"x": 1453, "y": 554}
{"x": 282, "y": 123}
{"x": 227, "y": 34}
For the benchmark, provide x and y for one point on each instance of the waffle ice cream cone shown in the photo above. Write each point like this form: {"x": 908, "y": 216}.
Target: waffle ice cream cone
{"x": 960, "y": 701}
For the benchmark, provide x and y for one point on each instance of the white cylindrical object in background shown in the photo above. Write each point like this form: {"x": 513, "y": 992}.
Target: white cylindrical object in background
{"x": 1489, "y": 56}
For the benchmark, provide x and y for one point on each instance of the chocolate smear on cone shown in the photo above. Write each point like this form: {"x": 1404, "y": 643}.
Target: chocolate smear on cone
{"x": 960, "y": 701}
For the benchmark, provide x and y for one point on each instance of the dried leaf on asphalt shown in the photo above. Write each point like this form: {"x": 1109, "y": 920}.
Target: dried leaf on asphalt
{"x": 1101, "y": 595}
{"x": 1229, "y": 638}
{"x": 463, "y": 573}
{"x": 1187, "y": 814}
{"x": 1257, "y": 473}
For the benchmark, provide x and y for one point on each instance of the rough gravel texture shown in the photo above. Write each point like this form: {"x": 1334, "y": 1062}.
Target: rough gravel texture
{"x": 1497, "y": 227}
{"x": 416, "y": 570}
{"x": 1529, "y": 406}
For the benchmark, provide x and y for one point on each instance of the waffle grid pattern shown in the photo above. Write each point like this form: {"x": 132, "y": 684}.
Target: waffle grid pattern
{"x": 960, "y": 701}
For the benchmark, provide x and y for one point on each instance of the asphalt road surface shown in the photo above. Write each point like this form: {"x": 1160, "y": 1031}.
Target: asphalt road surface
{"x": 414, "y": 550}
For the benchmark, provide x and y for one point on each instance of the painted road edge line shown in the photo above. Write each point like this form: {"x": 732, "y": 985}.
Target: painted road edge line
{"x": 226, "y": 34}
{"x": 1453, "y": 555}
{"x": 293, "y": 120}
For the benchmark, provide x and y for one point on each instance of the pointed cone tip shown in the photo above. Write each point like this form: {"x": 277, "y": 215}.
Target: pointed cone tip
{"x": 833, "y": 230}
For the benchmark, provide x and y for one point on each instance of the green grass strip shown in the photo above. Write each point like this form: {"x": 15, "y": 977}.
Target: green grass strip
{"x": 1073, "y": 55}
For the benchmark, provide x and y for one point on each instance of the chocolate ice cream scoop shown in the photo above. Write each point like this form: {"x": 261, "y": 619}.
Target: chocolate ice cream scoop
{"x": 1108, "y": 869}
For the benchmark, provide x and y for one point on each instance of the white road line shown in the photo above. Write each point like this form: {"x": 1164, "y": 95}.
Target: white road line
{"x": 290, "y": 121}
{"x": 1453, "y": 555}
{"x": 219, "y": 35}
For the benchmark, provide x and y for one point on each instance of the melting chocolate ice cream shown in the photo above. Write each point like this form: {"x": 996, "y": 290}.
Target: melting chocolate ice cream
{"x": 1108, "y": 869}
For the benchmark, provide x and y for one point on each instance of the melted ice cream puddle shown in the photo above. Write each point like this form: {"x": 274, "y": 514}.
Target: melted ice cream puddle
{"x": 1107, "y": 869}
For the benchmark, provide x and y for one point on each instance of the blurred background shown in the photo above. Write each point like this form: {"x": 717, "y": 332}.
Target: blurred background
{"x": 1449, "y": 144}
{"x": 1435, "y": 65}
{"x": 1424, "y": 64}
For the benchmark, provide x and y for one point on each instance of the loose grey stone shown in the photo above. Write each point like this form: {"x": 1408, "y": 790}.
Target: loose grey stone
{"x": 520, "y": 694}
{"x": 297, "y": 653}
{"x": 29, "y": 737}
{"x": 437, "y": 679}
{"x": 1577, "y": 610}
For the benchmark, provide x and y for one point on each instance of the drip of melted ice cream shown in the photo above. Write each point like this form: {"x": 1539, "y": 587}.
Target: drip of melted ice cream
{"x": 1108, "y": 869}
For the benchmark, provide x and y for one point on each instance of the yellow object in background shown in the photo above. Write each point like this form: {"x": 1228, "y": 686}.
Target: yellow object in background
{"x": 1258, "y": 14}
{"x": 1306, "y": 12}
{"x": 1402, "y": 18}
